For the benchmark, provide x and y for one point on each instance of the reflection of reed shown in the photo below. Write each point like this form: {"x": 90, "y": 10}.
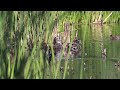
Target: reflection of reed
{"x": 61, "y": 41}
{"x": 98, "y": 17}
{"x": 99, "y": 30}
{"x": 57, "y": 40}
{"x": 66, "y": 39}
{"x": 75, "y": 49}
{"x": 66, "y": 36}
{"x": 104, "y": 53}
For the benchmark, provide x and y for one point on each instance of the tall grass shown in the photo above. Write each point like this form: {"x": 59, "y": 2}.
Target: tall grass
{"x": 19, "y": 27}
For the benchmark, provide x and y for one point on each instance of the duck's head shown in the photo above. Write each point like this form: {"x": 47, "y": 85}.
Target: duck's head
{"x": 111, "y": 35}
{"x": 57, "y": 40}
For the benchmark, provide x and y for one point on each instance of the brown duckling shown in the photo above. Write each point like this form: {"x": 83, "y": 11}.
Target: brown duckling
{"x": 114, "y": 37}
{"x": 49, "y": 55}
{"x": 76, "y": 47}
{"x": 117, "y": 65}
{"x": 44, "y": 47}
{"x": 57, "y": 46}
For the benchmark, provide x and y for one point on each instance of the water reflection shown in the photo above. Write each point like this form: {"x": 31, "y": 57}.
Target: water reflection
{"x": 99, "y": 54}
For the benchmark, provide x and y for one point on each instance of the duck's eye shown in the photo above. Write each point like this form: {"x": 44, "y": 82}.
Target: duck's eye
{"x": 74, "y": 48}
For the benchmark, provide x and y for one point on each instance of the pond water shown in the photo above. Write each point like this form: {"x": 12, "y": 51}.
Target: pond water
{"x": 100, "y": 57}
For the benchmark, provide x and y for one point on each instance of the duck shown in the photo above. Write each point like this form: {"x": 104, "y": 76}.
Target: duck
{"x": 47, "y": 52}
{"x": 114, "y": 37}
{"x": 117, "y": 64}
{"x": 76, "y": 47}
{"x": 49, "y": 55}
{"x": 57, "y": 46}
{"x": 44, "y": 47}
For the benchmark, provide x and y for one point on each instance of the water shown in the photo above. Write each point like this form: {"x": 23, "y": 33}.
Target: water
{"x": 100, "y": 57}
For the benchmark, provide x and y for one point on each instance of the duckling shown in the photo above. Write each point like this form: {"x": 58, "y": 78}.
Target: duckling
{"x": 62, "y": 70}
{"x": 117, "y": 64}
{"x": 57, "y": 46}
{"x": 76, "y": 47}
{"x": 114, "y": 37}
{"x": 49, "y": 55}
{"x": 44, "y": 47}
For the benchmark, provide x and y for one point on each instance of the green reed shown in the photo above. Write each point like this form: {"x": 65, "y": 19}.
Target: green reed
{"x": 17, "y": 26}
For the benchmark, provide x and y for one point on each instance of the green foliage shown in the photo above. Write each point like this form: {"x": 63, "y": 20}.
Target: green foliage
{"x": 17, "y": 26}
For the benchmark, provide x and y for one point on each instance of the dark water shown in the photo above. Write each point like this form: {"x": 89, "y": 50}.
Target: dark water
{"x": 97, "y": 63}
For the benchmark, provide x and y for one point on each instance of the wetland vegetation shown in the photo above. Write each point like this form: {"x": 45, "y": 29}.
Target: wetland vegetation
{"x": 59, "y": 45}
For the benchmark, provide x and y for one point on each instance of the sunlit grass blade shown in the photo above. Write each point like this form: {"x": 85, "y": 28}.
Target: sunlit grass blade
{"x": 27, "y": 68}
